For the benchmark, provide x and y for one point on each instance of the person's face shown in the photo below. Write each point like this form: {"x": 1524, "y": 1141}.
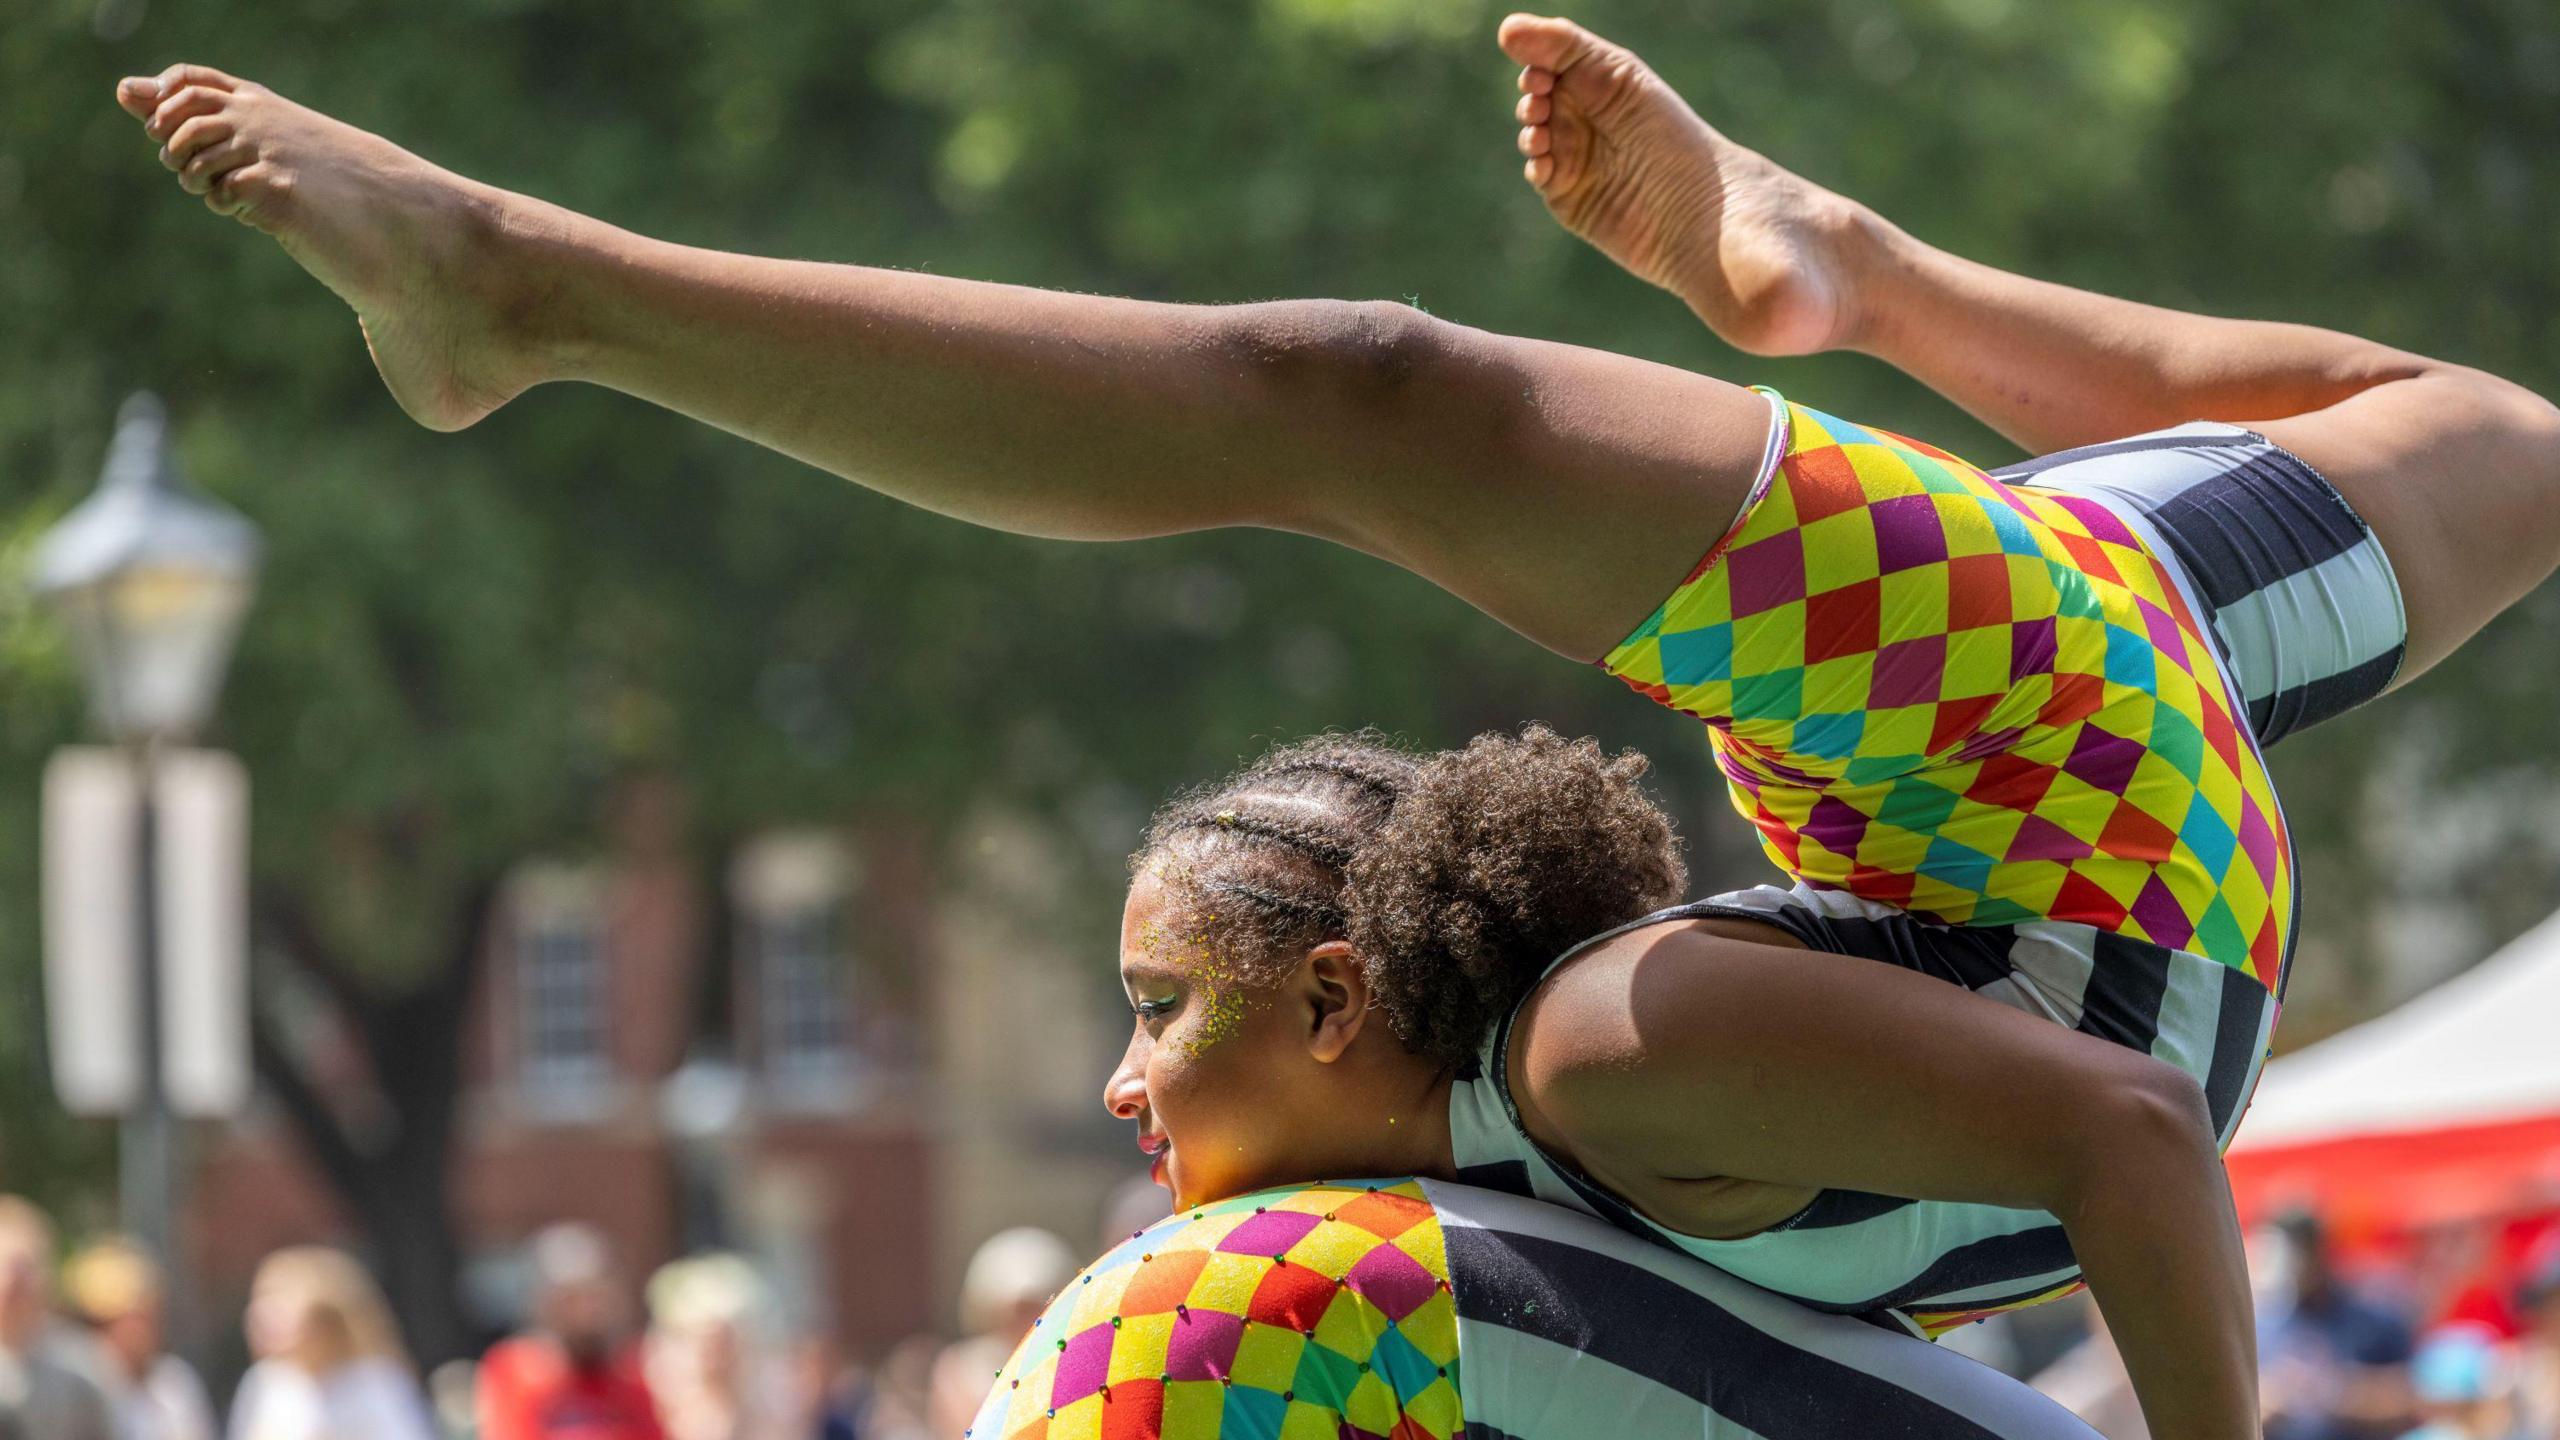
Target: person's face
{"x": 135, "y": 1334}
{"x": 583, "y": 1315}
{"x": 1226, "y": 1079}
{"x": 278, "y": 1322}
{"x": 23, "y": 1297}
{"x": 716, "y": 1349}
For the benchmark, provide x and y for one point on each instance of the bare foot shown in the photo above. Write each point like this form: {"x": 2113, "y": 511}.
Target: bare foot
{"x": 1624, "y": 163}
{"x": 407, "y": 244}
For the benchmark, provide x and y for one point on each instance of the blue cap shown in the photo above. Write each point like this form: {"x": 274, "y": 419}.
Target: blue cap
{"x": 2458, "y": 1364}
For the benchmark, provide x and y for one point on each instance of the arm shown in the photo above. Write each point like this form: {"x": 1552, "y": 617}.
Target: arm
{"x": 1677, "y": 1053}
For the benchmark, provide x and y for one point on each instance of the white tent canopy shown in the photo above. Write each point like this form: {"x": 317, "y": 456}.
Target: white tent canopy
{"x": 2481, "y": 1048}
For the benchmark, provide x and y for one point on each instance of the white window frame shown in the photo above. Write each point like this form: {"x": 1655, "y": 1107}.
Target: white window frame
{"x": 556, "y": 911}
{"x": 792, "y": 897}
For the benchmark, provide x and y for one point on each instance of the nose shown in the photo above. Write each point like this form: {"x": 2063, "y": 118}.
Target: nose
{"x": 1125, "y": 1094}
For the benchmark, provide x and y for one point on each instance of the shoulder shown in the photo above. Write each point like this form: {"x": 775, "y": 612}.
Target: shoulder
{"x": 1585, "y": 1038}
{"x": 1586, "y": 1012}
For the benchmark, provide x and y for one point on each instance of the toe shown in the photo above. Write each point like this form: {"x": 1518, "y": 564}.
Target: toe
{"x": 1533, "y": 109}
{"x": 179, "y": 77}
{"x": 1546, "y": 42}
{"x": 137, "y": 94}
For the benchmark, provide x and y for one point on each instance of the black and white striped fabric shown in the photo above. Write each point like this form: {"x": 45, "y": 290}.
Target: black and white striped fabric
{"x": 2301, "y": 598}
{"x": 1920, "y": 1266}
{"x": 1568, "y": 1329}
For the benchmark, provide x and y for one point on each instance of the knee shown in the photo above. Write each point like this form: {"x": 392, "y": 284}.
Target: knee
{"x": 1362, "y": 351}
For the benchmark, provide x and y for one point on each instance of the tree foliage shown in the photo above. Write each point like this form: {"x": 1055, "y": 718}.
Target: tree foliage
{"x": 465, "y": 639}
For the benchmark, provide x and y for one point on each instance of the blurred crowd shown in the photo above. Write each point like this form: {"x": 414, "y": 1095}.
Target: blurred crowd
{"x": 83, "y": 1352}
{"x": 2439, "y": 1344}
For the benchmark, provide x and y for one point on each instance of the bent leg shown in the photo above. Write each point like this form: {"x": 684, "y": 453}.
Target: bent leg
{"x": 2456, "y": 471}
{"x": 2458, "y": 474}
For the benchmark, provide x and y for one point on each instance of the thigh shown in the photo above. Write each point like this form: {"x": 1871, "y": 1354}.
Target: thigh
{"x": 1562, "y": 490}
{"x": 2458, "y": 474}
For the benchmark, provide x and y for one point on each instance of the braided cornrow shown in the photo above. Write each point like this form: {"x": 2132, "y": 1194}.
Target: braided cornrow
{"x": 1302, "y": 838}
{"x": 1458, "y": 875}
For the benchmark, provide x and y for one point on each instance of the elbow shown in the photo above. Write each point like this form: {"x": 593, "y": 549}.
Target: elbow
{"x": 1363, "y": 352}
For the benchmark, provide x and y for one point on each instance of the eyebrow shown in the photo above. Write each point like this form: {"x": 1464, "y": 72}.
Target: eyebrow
{"x": 1140, "y": 970}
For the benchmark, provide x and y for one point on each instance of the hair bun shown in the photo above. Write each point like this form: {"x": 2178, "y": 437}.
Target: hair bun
{"x": 1497, "y": 858}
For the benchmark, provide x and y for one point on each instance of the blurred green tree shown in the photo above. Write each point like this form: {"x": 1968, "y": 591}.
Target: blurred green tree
{"x": 467, "y": 639}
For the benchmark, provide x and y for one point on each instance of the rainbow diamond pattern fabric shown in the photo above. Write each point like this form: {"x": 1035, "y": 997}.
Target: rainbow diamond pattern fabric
{"x": 1980, "y": 702}
{"x": 1319, "y": 1312}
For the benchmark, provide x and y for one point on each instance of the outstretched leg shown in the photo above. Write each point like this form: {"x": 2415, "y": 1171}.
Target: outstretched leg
{"x": 2457, "y": 471}
{"x": 1563, "y": 490}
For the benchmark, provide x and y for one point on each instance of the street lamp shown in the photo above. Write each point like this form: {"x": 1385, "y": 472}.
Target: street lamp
{"x": 152, "y": 578}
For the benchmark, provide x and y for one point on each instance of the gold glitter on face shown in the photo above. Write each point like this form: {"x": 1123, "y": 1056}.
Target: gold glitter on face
{"x": 1223, "y": 995}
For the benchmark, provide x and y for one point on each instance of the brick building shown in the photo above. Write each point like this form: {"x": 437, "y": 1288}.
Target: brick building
{"x": 892, "y": 1055}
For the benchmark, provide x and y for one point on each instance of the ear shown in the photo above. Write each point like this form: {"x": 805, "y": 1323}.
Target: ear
{"x": 1335, "y": 991}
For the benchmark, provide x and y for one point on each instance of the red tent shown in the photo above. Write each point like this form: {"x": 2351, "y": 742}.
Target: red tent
{"x": 2445, "y": 1109}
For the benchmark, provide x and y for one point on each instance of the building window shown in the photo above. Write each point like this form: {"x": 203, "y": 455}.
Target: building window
{"x": 562, "y": 1048}
{"x": 791, "y": 893}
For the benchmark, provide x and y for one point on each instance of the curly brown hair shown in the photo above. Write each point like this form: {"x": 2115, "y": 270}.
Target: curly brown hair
{"x": 1458, "y": 875}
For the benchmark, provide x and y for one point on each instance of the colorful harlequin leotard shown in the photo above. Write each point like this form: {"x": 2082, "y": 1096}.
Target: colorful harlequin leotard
{"x": 1979, "y": 702}
{"x": 2003, "y": 731}
{"x": 1399, "y": 1309}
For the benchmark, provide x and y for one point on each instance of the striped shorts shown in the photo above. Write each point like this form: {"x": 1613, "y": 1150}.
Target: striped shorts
{"x": 1419, "y": 1310}
{"x": 2305, "y": 610}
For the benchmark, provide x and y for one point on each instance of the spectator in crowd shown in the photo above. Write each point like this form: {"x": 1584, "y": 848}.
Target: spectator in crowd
{"x": 1008, "y": 1283}
{"x": 2465, "y": 1384}
{"x": 2538, "y": 1349}
{"x": 116, "y": 1290}
{"x": 2333, "y": 1362}
{"x": 823, "y": 1395}
{"x": 43, "y": 1393}
{"x": 329, "y": 1361}
{"x": 708, "y": 1362}
{"x": 893, "y": 1400}
{"x": 575, "y": 1375}
{"x": 711, "y": 1362}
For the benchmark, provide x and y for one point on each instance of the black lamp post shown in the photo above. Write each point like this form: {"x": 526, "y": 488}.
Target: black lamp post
{"x": 152, "y": 578}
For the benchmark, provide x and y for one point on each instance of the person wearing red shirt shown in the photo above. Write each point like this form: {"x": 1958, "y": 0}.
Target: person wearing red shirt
{"x": 575, "y": 1375}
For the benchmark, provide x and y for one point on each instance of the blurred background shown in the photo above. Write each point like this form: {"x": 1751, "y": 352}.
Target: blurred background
{"x": 657, "y": 837}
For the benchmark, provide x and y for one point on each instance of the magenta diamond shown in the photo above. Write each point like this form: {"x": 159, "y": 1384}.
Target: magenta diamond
{"x": 2162, "y": 918}
{"x": 1767, "y": 573}
{"x": 1908, "y": 533}
{"x": 2031, "y": 649}
{"x": 1203, "y": 1346}
{"x": 2257, "y": 838}
{"x": 1083, "y": 1366}
{"x": 2103, "y": 761}
{"x": 2165, "y": 635}
{"x": 1269, "y": 1233}
{"x": 2041, "y": 839}
{"x": 1909, "y": 672}
{"x": 1392, "y": 1280}
{"x": 1837, "y": 827}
